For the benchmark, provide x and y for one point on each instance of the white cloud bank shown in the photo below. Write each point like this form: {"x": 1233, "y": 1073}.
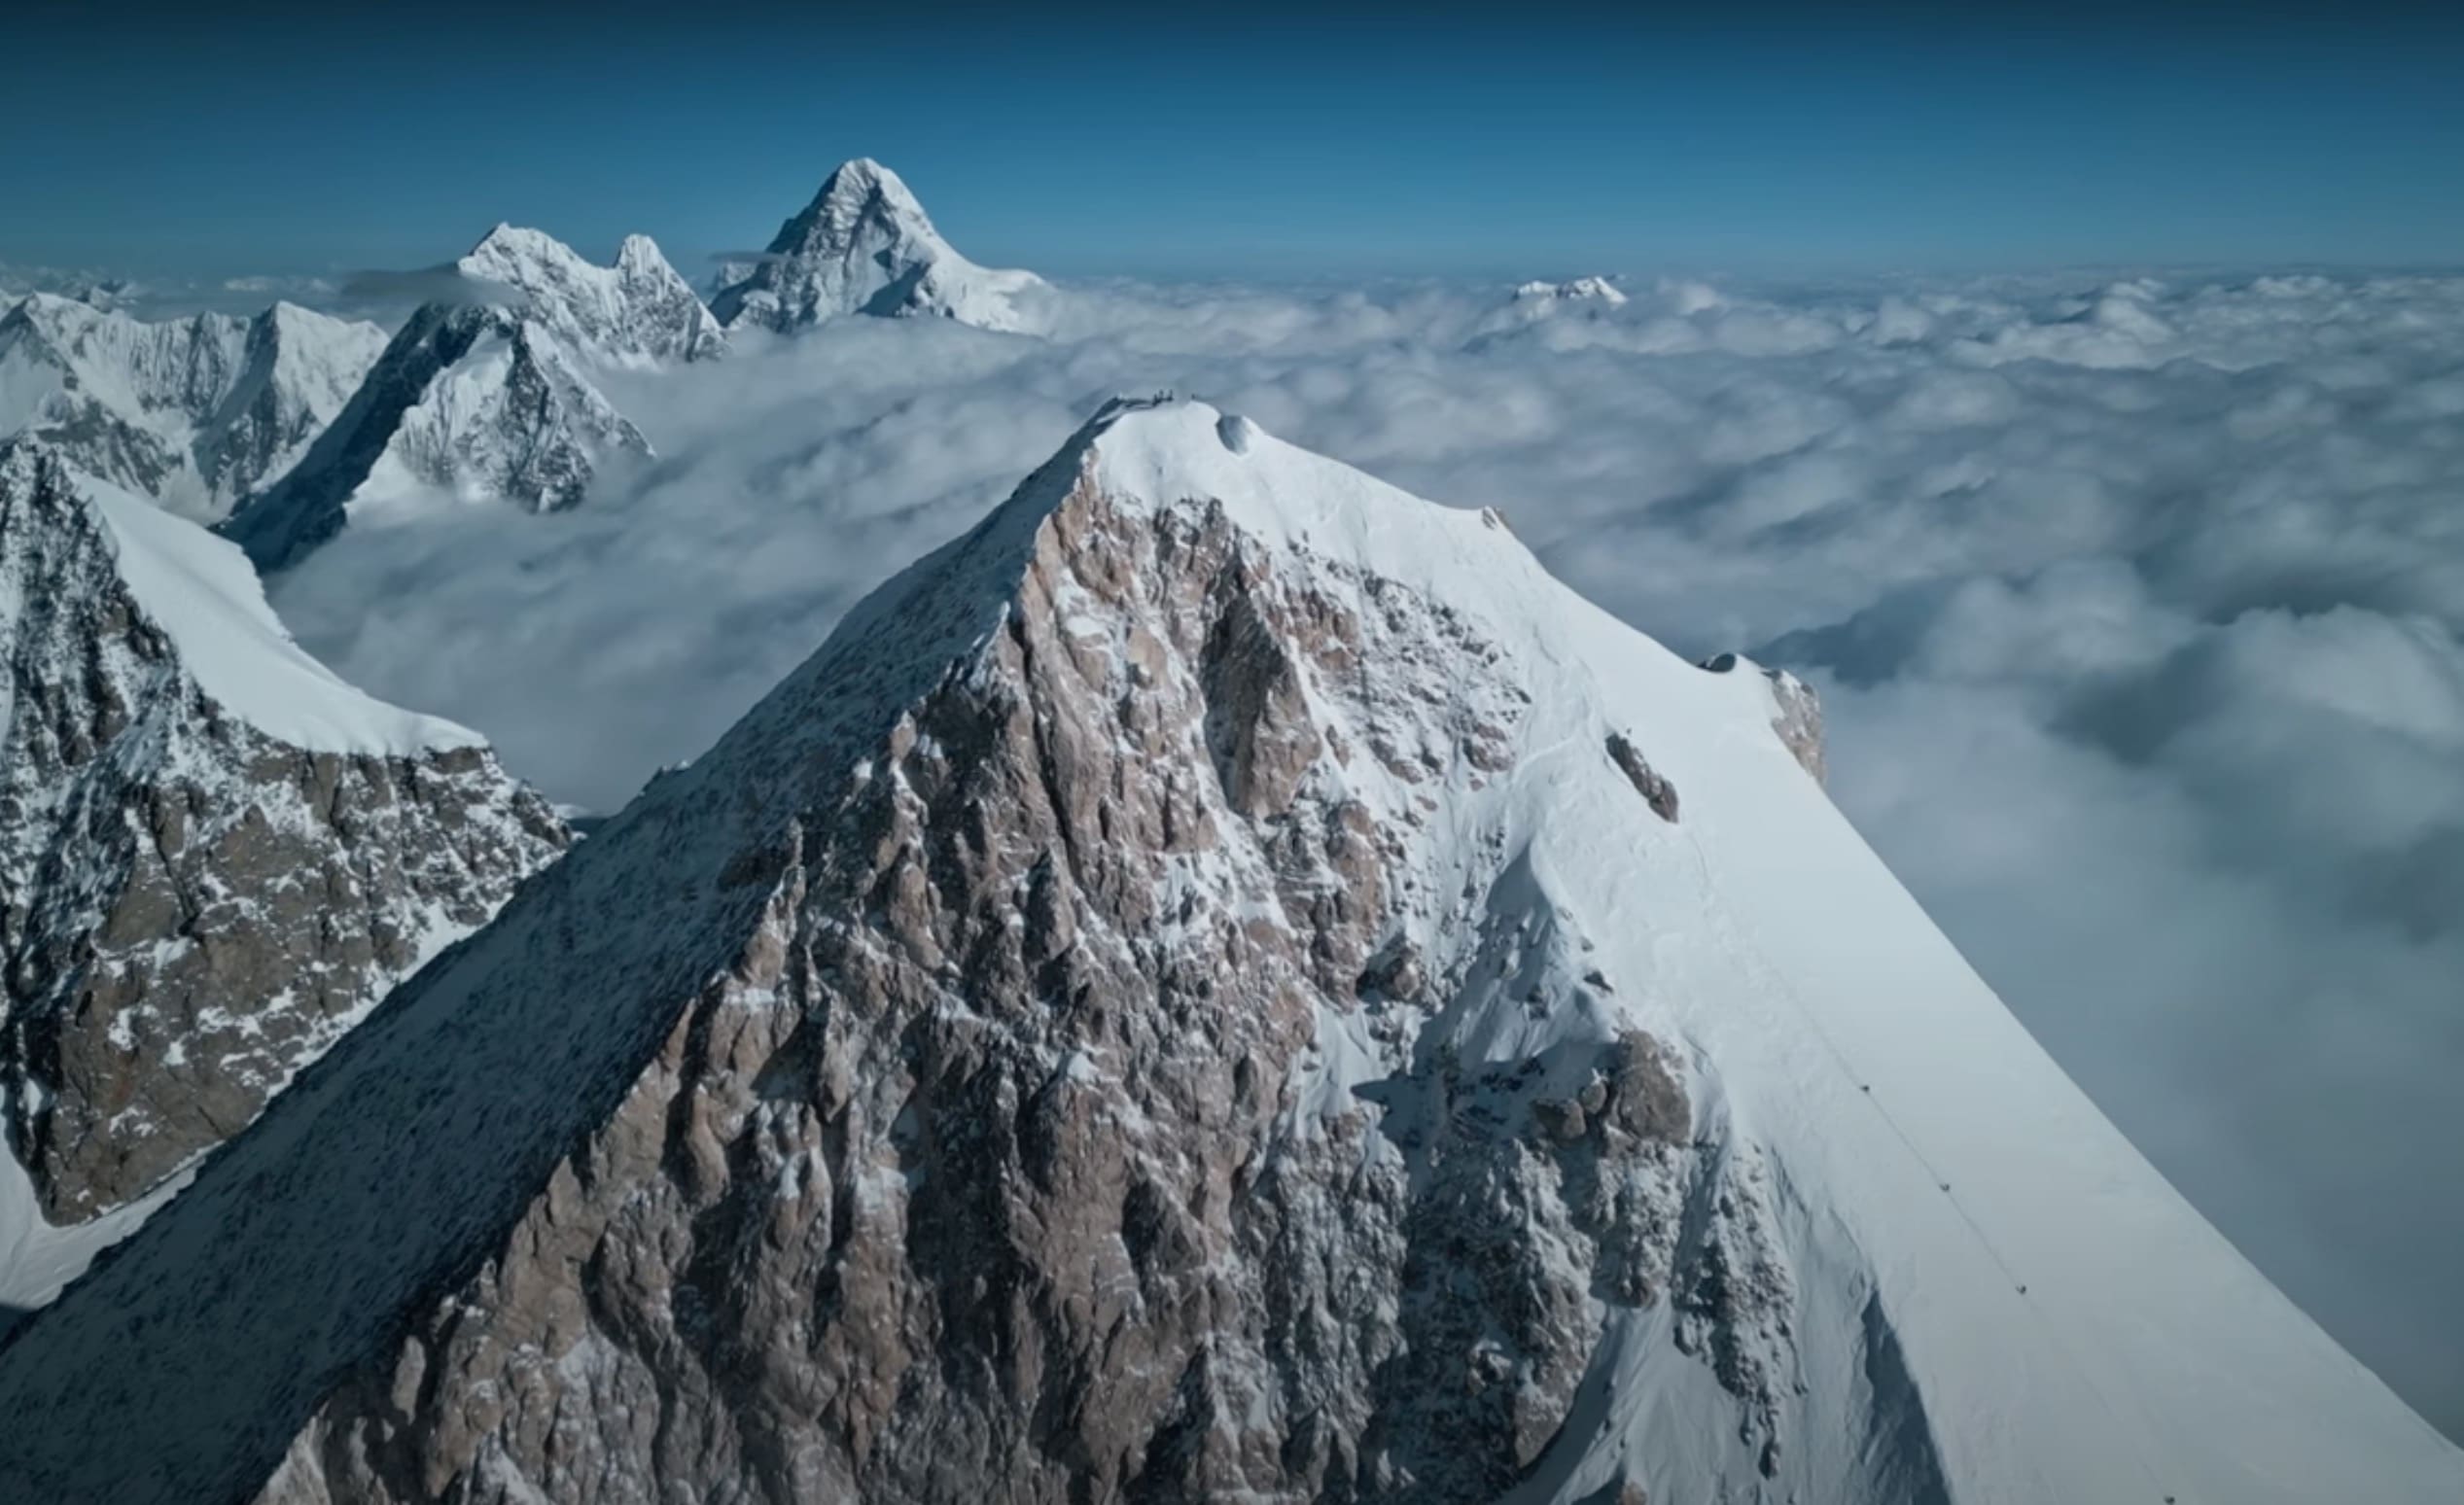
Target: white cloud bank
{"x": 2136, "y": 606}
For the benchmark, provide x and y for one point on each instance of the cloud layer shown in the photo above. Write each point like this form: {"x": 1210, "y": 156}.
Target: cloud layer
{"x": 2136, "y": 605}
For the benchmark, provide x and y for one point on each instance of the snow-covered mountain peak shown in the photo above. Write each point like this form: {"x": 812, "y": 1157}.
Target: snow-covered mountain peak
{"x": 1553, "y": 312}
{"x": 472, "y": 400}
{"x": 1378, "y": 1026}
{"x": 1584, "y": 290}
{"x": 861, "y": 189}
{"x": 491, "y": 396}
{"x": 864, "y": 245}
{"x": 639, "y": 312}
{"x": 193, "y": 413}
{"x": 215, "y": 855}
{"x": 639, "y": 256}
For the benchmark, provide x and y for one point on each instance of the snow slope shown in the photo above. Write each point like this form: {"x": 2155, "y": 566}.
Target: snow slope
{"x": 38, "y": 1261}
{"x": 1912, "y": 1262}
{"x": 203, "y": 592}
{"x": 864, "y": 245}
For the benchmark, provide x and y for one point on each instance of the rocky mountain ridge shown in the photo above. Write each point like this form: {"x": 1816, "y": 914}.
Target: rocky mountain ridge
{"x": 215, "y": 858}
{"x": 1224, "y": 982}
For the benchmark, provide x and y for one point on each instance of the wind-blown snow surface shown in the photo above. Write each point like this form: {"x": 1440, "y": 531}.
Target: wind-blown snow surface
{"x": 2134, "y": 604}
{"x": 1984, "y": 1291}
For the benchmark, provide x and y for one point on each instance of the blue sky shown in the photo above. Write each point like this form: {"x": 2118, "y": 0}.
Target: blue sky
{"x": 1167, "y": 141}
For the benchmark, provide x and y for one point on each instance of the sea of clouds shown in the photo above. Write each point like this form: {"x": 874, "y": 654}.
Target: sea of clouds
{"x": 2136, "y": 605}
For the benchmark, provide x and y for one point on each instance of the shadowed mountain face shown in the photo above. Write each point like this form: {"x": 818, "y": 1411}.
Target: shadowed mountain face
{"x": 1224, "y": 982}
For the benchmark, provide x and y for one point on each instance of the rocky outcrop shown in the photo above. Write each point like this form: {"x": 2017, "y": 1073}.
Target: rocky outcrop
{"x": 193, "y": 908}
{"x": 1656, "y": 791}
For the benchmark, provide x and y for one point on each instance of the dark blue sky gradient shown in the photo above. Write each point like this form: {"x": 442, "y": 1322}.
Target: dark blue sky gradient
{"x": 1172, "y": 140}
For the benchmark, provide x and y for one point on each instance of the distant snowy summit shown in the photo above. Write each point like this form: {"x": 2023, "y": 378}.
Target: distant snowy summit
{"x": 865, "y": 246}
{"x": 639, "y": 312}
{"x": 492, "y": 397}
{"x": 194, "y": 413}
{"x": 1551, "y": 312}
{"x": 1592, "y": 292}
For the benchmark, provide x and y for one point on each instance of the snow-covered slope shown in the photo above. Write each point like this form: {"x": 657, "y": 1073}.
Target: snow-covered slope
{"x": 1225, "y": 982}
{"x": 492, "y": 398}
{"x": 215, "y": 855}
{"x": 194, "y": 413}
{"x": 864, "y": 245}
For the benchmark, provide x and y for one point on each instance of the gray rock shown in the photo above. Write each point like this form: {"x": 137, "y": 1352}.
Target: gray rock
{"x": 1656, "y": 791}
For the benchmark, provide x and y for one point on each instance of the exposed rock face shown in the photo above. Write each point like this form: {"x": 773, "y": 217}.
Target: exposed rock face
{"x": 194, "y": 413}
{"x": 190, "y": 908}
{"x": 1656, "y": 792}
{"x": 1171, "y": 1002}
{"x": 986, "y": 1164}
{"x": 865, "y": 246}
{"x": 1799, "y": 722}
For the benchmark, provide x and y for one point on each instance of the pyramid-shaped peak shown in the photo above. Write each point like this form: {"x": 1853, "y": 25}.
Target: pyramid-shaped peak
{"x": 863, "y": 245}
{"x": 640, "y": 254}
{"x": 860, "y": 197}
{"x": 862, "y": 181}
